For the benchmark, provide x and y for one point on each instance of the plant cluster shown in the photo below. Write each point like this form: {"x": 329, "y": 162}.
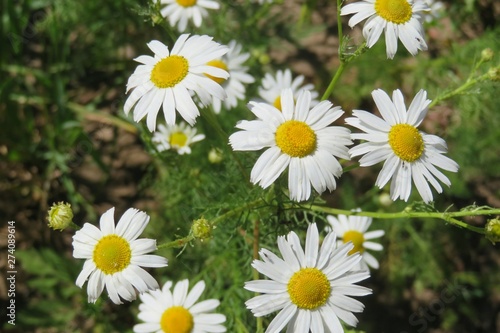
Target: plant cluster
{"x": 265, "y": 190}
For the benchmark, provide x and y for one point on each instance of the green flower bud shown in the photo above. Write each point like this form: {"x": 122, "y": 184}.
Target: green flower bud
{"x": 486, "y": 54}
{"x": 492, "y": 229}
{"x": 494, "y": 73}
{"x": 215, "y": 156}
{"x": 385, "y": 199}
{"x": 60, "y": 216}
{"x": 157, "y": 19}
{"x": 202, "y": 229}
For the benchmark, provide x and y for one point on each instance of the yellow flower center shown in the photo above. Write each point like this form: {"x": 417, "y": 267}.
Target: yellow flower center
{"x": 395, "y": 11}
{"x": 309, "y": 288}
{"x": 406, "y": 142}
{"x": 112, "y": 254}
{"x": 169, "y": 71}
{"x": 277, "y": 103}
{"x": 218, "y": 64}
{"x": 177, "y": 319}
{"x": 178, "y": 139}
{"x": 295, "y": 138}
{"x": 186, "y": 3}
{"x": 357, "y": 240}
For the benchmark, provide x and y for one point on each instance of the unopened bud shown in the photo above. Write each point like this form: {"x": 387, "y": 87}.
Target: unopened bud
{"x": 385, "y": 199}
{"x": 486, "y": 54}
{"x": 202, "y": 229}
{"x": 60, "y": 216}
{"x": 492, "y": 230}
{"x": 157, "y": 19}
{"x": 261, "y": 56}
{"x": 215, "y": 156}
{"x": 494, "y": 73}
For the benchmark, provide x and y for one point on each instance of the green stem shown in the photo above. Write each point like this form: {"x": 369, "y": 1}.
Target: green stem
{"x": 333, "y": 82}
{"x": 449, "y": 217}
{"x": 467, "y": 85}
{"x": 211, "y": 119}
{"x": 339, "y": 26}
{"x": 344, "y": 60}
{"x": 74, "y": 226}
{"x": 180, "y": 242}
{"x": 234, "y": 212}
{"x": 341, "y": 68}
{"x": 350, "y": 167}
{"x": 237, "y": 211}
{"x": 255, "y": 273}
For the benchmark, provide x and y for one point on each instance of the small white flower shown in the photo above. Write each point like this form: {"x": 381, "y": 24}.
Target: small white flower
{"x": 409, "y": 154}
{"x": 170, "y": 77}
{"x": 299, "y": 138}
{"x": 182, "y": 11}
{"x": 354, "y": 229}
{"x": 272, "y": 86}
{"x": 177, "y": 137}
{"x": 113, "y": 256}
{"x": 179, "y": 311}
{"x": 311, "y": 288}
{"x": 436, "y": 10}
{"x": 398, "y": 18}
{"x": 231, "y": 62}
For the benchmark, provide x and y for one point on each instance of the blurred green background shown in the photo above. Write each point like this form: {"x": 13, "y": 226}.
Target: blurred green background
{"x": 64, "y": 137}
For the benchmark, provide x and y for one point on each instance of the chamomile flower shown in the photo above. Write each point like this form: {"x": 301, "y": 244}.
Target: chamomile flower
{"x": 299, "y": 138}
{"x": 398, "y": 18}
{"x": 409, "y": 154}
{"x": 176, "y": 137}
{"x": 272, "y": 86}
{"x": 354, "y": 229}
{"x": 234, "y": 86}
{"x": 178, "y": 311}
{"x": 182, "y": 11}
{"x": 113, "y": 256}
{"x": 170, "y": 77}
{"x": 310, "y": 288}
{"x": 436, "y": 10}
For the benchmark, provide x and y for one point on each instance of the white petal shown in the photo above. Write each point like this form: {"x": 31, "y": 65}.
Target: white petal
{"x": 107, "y": 222}
{"x": 280, "y": 321}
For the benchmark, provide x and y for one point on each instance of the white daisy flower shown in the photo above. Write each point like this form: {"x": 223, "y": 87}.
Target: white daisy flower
{"x": 231, "y": 62}
{"x": 178, "y": 311}
{"x": 354, "y": 229}
{"x": 182, "y": 11}
{"x": 272, "y": 86}
{"x": 113, "y": 256}
{"x": 299, "y": 138}
{"x": 177, "y": 137}
{"x": 398, "y": 18}
{"x": 169, "y": 78}
{"x": 436, "y": 10}
{"x": 310, "y": 288}
{"x": 408, "y": 153}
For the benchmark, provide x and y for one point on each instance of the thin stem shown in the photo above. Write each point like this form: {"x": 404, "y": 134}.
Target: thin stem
{"x": 181, "y": 242}
{"x": 341, "y": 68}
{"x": 344, "y": 60}
{"x": 339, "y": 26}
{"x": 255, "y": 273}
{"x": 350, "y": 167}
{"x": 74, "y": 226}
{"x": 210, "y": 117}
{"x": 237, "y": 211}
{"x": 449, "y": 217}
{"x": 333, "y": 82}
{"x": 467, "y": 85}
